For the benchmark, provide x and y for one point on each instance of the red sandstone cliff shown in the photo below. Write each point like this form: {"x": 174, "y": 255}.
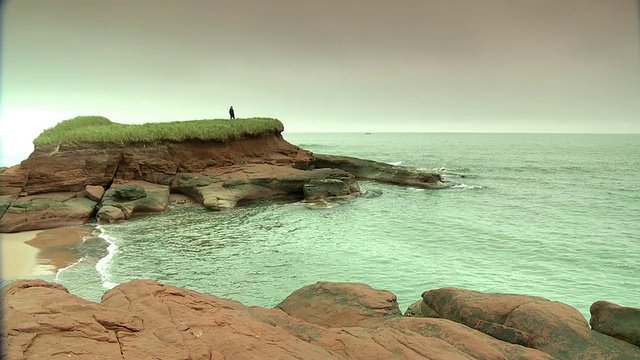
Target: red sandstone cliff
{"x": 67, "y": 185}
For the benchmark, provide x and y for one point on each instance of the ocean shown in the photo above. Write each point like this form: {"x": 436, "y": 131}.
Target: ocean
{"x": 551, "y": 215}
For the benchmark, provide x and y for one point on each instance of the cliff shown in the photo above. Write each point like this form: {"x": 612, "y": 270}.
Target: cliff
{"x": 70, "y": 180}
{"x": 144, "y": 319}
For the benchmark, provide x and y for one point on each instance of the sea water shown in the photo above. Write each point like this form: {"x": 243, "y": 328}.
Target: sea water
{"x": 552, "y": 215}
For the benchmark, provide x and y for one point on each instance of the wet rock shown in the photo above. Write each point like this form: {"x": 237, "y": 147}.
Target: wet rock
{"x": 110, "y": 214}
{"x": 326, "y": 188}
{"x": 378, "y": 171}
{"x": 155, "y": 201}
{"x": 614, "y": 320}
{"x": 45, "y": 212}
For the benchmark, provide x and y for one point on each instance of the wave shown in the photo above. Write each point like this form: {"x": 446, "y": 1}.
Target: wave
{"x": 395, "y": 163}
{"x": 60, "y": 271}
{"x": 466, "y": 187}
{"x": 102, "y": 266}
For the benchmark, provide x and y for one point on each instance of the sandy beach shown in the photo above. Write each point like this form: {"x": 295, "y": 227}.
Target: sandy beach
{"x": 39, "y": 252}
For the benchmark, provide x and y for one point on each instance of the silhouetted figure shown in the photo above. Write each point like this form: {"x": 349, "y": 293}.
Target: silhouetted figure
{"x": 232, "y": 114}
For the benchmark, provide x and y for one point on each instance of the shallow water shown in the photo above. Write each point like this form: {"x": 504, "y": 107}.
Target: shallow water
{"x": 538, "y": 214}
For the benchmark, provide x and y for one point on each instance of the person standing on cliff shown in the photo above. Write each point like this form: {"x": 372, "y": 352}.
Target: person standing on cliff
{"x": 232, "y": 113}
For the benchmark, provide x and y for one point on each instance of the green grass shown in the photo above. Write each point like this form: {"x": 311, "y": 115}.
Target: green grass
{"x": 98, "y": 129}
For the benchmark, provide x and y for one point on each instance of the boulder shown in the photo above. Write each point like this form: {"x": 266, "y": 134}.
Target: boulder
{"x": 46, "y": 211}
{"x": 614, "y": 320}
{"x": 126, "y": 198}
{"x": 110, "y": 214}
{"x": 552, "y": 327}
{"x": 340, "y": 304}
{"x": 324, "y": 188}
{"x": 94, "y": 192}
{"x": 129, "y": 192}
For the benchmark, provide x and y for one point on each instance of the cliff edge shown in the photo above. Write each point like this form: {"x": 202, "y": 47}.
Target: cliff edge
{"x": 89, "y": 167}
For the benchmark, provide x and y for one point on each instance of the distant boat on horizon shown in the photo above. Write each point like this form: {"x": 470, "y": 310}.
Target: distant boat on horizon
{"x": 367, "y": 133}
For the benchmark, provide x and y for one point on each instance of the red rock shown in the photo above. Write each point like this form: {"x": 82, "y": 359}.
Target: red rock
{"x": 340, "y": 304}
{"x": 94, "y": 192}
{"x": 552, "y": 327}
{"x": 621, "y": 322}
{"x": 143, "y": 319}
{"x": 12, "y": 180}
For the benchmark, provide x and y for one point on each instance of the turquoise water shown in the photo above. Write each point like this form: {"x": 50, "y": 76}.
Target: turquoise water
{"x": 553, "y": 215}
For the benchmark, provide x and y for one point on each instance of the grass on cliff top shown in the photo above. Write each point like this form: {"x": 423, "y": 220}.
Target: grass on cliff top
{"x": 98, "y": 129}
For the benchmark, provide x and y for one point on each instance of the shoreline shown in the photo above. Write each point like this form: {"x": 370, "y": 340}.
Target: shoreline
{"x": 29, "y": 254}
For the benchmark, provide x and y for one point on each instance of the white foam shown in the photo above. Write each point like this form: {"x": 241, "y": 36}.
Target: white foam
{"x": 102, "y": 266}
{"x": 68, "y": 267}
{"x": 466, "y": 187}
{"x": 395, "y": 163}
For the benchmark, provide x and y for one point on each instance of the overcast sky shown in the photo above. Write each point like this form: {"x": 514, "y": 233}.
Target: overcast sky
{"x": 332, "y": 65}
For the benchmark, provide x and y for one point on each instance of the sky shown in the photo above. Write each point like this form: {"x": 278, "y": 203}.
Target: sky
{"x": 323, "y": 66}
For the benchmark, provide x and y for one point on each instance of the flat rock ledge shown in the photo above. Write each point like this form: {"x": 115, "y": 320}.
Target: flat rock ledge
{"x": 144, "y": 319}
{"x": 70, "y": 185}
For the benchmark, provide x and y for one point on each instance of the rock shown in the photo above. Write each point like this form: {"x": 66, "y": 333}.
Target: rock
{"x": 144, "y": 319}
{"x": 5, "y": 202}
{"x": 318, "y": 304}
{"x": 552, "y": 327}
{"x": 69, "y": 168}
{"x": 46, "y": 211}
{"x": 110, "y": 214}
{"x": 129, "y": 192}
{"x": 44, "y": 321}
{"x": 324, "y": 188}
{"x": 225, "y": 187}
{"x": 12, "y": 180}
{"x": 155, "y": 201}
{"x": 614, "y": 320}
{"x": 373, "y": 170}
{"x": 94, "y": 192}
{"x": 421, "y": 309}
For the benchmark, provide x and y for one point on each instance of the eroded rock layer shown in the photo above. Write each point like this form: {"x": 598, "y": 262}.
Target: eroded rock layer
{"x": 144, "y": 319}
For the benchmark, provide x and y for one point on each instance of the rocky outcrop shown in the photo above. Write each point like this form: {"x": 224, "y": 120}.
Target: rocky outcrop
{"x": 373, "y": 170}
{"x": 45, "y": 211}
{"x": 13, "y": 180}
{"x": 618, "y": 321}
{"x": 123, "y": 201}
{"x": 144, "y": 319}
{"x": 216, "y": 175}
{"x": 222, "y": 188}
{"x": 533, "y": 322}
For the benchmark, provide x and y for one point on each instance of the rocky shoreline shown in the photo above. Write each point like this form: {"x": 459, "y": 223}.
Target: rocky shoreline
{"x": 144, "y": 319}
{"x": 69, "y": 185}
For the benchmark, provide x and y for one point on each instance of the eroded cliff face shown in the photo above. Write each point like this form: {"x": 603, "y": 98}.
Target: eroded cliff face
{"x": 69, "y": 168}
{"x": 56, "y": 186}
{"x": 67, "y": 185}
